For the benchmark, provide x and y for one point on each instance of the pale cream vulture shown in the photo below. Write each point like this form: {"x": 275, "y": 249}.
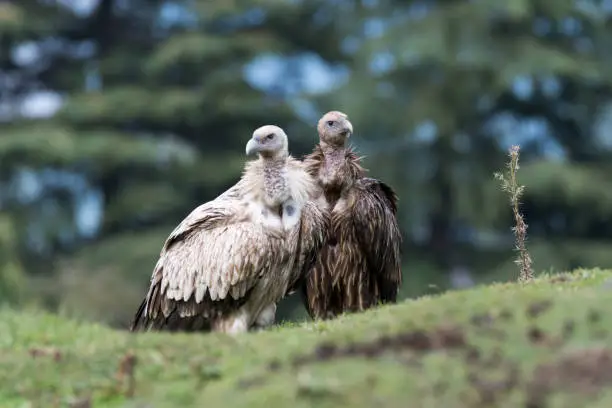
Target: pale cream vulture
{"x": 229, "y": 262}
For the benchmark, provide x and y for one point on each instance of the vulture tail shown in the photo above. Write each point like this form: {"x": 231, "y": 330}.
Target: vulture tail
{"x": 139, "y": 317}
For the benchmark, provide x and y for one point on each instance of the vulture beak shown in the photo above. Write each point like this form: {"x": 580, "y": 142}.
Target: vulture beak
{"x": 348, "y": 129}
{"x": 252, "y": 147}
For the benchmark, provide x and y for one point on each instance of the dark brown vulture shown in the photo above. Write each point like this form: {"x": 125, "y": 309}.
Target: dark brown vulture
{"x": 229, "y": 262}
{"x": 360, "y": 265}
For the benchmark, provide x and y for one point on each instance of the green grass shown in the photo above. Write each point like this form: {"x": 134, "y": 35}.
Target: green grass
{"x": 503, "y": 345}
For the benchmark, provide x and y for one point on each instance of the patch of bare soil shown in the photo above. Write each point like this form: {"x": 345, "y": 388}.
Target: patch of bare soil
{"x": 490, "y": 388}
{"x": 578, "y": 372}
{"x": 584, "y": 371}
{"x": 562, "y": 277}
{"x": 444, "y": 337}
{"x": 492, "y": 376}
{"x": 537, "y": 308}
{"x": 594, "y": 316}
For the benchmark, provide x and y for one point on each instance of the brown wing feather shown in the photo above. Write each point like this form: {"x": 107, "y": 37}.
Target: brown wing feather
{"x": 377, "y": 231}
{"x": 314, "y": 226}
{"x": 312, "y": 161}
{"x": 207, "y": 266}
{"x": 157, "y": 312}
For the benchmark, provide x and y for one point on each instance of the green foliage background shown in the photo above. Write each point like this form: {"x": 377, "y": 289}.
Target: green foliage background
{"x": 158, "y": 100}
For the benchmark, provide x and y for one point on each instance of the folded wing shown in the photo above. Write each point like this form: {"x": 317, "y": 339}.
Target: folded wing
{"x": 313, "y": 232}
{"x": 208, "y": 266}
{"x": 378, "y": 233}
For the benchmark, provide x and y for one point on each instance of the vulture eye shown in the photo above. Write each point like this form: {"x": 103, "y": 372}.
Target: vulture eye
{"x": 330, "y": 123}
{"x": 270, "y": 136}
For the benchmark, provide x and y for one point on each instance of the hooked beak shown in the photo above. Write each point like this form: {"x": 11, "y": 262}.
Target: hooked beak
{"x": 348, "y": 129}
{"x": 252, "y": 147}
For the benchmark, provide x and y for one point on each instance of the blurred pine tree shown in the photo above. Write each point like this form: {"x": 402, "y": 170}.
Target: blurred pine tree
{"x": 155, "y": 117}
{"x": 450, "y": 85}
{"x": 157, "y": 108}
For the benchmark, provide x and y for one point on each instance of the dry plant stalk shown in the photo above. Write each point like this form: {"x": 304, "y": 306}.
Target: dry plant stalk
{"x": 125, "y": 374}
{"x": 509, "y": 184}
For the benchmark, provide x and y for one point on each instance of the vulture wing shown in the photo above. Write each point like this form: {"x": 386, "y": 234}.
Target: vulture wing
{"x": 313, "y": 230}
{"x": 208, "y": 265}
{"x": 377, "y": 230}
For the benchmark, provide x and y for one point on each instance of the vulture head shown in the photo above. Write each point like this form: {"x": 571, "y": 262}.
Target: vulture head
{"x": 269, "y": 141}
{"x": 334, "y": 128}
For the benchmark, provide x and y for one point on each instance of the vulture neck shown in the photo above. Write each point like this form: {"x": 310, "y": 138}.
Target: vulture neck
{"x": 333, "y": 172}
{"x": 339, "y": 170}
{"x": 334, "y": 157}
{"x": 332, "y": 149}
{"x": 274, "y": 180}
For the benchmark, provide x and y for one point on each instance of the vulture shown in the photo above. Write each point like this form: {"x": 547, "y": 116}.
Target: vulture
{"x": 228, "y": 263}
{"x": 359, "y": 265}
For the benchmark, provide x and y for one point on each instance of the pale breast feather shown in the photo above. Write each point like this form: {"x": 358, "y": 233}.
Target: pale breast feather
{"x": 301, "y": 184}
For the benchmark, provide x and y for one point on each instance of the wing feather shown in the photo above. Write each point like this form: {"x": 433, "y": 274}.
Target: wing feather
{"x": 313, "y": 232}
{"x": 223, "y": 209}
{"x": 210, "y": 262}
{"x": 375, "y": 221}
{"x": 220, "y": 259}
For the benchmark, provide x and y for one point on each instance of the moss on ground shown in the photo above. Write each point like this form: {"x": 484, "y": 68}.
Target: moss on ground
{"x": 546, "y": 344}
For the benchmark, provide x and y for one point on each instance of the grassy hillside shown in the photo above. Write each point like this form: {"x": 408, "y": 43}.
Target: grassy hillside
{"x": 547, "y": 344}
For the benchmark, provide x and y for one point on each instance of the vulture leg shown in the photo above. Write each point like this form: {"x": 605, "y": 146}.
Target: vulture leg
{"x": 266, "y": 317}
{"x": 235, "y": 323}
